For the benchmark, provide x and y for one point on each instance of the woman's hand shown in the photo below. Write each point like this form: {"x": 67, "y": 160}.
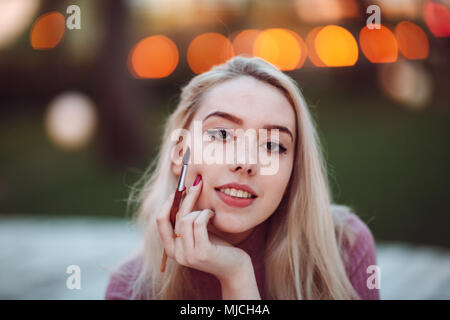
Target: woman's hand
{"x": 197, "y": 248}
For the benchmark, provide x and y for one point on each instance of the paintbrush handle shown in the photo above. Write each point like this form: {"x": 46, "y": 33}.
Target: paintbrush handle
{"x": 176, "y": 206}
{"x": 173, "y": 214}
{"x": 163, "y": 262}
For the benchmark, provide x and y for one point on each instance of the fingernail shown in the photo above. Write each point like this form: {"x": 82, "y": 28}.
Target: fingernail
{"x": 197, "y": 180}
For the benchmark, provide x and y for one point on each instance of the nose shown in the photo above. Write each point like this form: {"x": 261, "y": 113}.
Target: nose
{"x": 245, "y": 157}
{"x": 250, "y": 169}
{"x": 244, "y": 165}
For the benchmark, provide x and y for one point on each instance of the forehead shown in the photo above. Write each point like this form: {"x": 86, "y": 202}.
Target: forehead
{"x": 255, "y": 102}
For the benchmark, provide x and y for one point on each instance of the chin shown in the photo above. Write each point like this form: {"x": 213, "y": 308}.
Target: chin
{"x": 225, "y": 224}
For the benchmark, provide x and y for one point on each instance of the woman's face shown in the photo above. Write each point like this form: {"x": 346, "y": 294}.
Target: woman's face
{"x": 247, "y": 104}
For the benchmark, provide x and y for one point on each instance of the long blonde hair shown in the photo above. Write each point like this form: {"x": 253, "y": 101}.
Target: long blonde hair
{"x": 304, "y": 256}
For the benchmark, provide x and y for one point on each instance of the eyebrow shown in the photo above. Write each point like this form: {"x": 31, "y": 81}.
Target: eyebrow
{"x": 239, "y": 121}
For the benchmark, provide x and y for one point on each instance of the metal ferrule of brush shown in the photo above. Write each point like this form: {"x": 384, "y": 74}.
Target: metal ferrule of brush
{"x": 184, "y": 169}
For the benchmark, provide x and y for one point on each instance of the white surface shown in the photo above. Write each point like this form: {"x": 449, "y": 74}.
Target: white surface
{"x": 35, "y": 253}
{"x": 409, "y": 272}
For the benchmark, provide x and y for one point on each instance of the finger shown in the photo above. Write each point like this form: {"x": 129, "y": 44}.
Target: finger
{"x": 190, "y": 199}
{"x": 185, "y": 226}
{"x": 165, "y": 228}
{"x": 201, "y": 239}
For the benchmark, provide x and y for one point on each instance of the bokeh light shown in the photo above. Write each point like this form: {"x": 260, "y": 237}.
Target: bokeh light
{"x": 47, "y": 31}
{"x": 378, "y": 45}
{"x": 310, "y": 43}
{"x": 15, "y": 16}
{"x": 303, "y": 49}
{"x": 336, "y": 46}
{"x": 406, "y": 82}
{"x": 325, "y": 11}
{"x": 244, "y": 41}
{"x": 437, "y": 18}
{"x": 412, "y": 40}
{"x": 153, "y": 57}
{"x": 279, "y": 47}
{"x": 207, "y": 50}
{"x": 70, "y": 120}
{"x": 399, "y": 9}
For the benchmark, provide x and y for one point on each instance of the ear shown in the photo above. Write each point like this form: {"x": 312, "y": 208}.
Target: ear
{"x": 177, "y": 158}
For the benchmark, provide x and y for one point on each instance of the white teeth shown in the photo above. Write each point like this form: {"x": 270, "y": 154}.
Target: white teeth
{"x": 236, "y": 193}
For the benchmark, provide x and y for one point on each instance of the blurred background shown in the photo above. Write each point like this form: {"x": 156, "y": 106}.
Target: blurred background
{"x": 85, "y": 87}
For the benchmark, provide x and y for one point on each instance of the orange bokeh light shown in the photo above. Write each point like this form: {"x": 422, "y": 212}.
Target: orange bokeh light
{"x": 153, "y": 57}
{"x": 412, "y": 40}
{"x": 47, "y": 31}
{"x": 279, "y": 47}
{"x": 310, "y": 43}
{"x": 336, "y": 46}
{"x": 207, "y": 50}
{"x": 303, "y": 49}
{"x": 244, "y": 41}
{"x": 378, "y": 45}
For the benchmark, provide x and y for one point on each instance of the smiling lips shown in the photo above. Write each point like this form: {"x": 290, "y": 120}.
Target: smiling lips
{"x": 236, "y": 195}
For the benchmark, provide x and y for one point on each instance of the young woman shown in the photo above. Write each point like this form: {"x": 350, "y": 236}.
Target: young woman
{"x": 239, "y": 233}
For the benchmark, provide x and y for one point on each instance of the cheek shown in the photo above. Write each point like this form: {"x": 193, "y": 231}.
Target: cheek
{"x": 208, "y": 177}
{"x": 272, "y": 197}
{"x": 274, "y": 188}
{"x": 193, "y": 171}
{"x": 202, "y": 202}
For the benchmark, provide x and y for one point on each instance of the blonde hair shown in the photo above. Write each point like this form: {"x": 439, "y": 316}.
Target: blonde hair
{"x": 304, "y": 256}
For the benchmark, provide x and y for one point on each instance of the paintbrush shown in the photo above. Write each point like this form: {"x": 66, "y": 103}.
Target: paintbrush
{"x": 177, "y": 200}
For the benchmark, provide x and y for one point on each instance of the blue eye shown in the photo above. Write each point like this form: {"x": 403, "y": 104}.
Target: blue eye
{"x": 219, "y": 134}
{"x": 275, "y": 147}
